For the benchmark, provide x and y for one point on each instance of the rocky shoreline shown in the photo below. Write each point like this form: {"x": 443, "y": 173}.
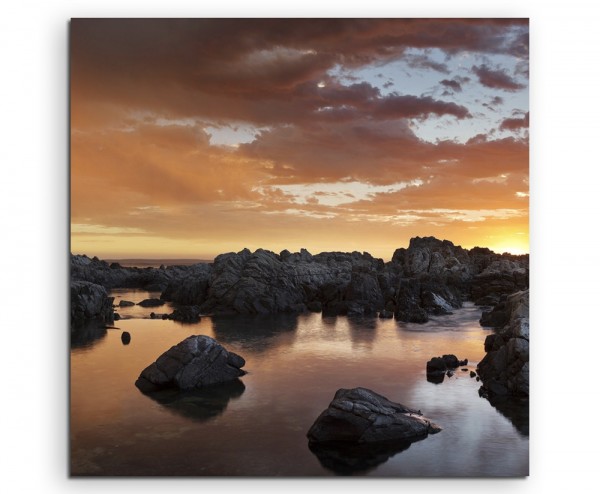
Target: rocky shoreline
{"x": 360, "y": 429}
{"x": 430, "y": 277}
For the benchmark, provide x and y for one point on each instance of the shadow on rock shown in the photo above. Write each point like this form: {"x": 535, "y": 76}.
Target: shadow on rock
{"x": 202, "y": 404}
{"x": 345, "y": 459}
{"x": 86, "y": 335}
{"x": 514, "y": 409}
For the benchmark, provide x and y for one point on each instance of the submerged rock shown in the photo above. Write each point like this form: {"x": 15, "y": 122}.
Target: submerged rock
{"x": 125, "y": 338}
{"x": 361, "y": 416}
{"x": 193, "y": 363}
{"x": 444, "y": 363}
{"x": 151, "y": 302}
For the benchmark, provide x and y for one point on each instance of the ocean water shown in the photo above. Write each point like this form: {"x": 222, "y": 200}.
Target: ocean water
{"x": 257, "y": 426}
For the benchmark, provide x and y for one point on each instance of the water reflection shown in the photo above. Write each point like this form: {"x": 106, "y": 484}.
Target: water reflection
{"x": 363, "y": 331}
{"x": 87, "y": 334}
{"x": 460, "y": 320}
{"x": 259, "y": 333}
{"x": 345, "y": 459}
{"x": 514, "y": 409}
{"x": 200, "y": 405}
{"x": 295, "y": 363}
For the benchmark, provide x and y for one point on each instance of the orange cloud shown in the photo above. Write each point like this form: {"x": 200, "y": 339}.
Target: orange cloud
{"x": 147, "y": 176}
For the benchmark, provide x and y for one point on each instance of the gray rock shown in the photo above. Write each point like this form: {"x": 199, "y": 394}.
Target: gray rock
{"x": 90, "y": 302}
{"x": 444, "y": 363}
{"x": 113, "y": 275}
{"x": 359, "y": 415}
{"x": 430, "y": 277}
{"x": 125, "y": 303}
{"x": 505, "y": 368}
{"x": 188, "y": 314}
{"x": 195, "y": 362}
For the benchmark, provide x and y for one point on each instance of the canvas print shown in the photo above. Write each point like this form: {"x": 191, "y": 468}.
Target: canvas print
{"x": 299, "y": 247}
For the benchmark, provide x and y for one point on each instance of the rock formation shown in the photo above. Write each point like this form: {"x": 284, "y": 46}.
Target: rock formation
{"x": 90, "y": 303}
{"x": 505, "y": 368}
{"x": 361, "y": 416}
{"x": 444, "y": 363}
{"x": 114, "y": 275}
{"x": 195, "y": 362}
{"x": 430, "y": 277}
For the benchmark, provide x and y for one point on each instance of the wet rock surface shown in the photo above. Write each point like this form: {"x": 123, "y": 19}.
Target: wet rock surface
{"x": 195, "y": 362}
{"x": 90, "y": 303}
{"x": 360, "y": 416}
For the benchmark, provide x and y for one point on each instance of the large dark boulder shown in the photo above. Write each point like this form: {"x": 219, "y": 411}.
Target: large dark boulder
{"x": 90, "y": 303}
{"x": 503, "y": 276}
{"x": 408, "y": 306}
{"x": 504, "y": 371}
{"x": 361, "y": 416}
{"x": 193, "y": 363}
{"x": 497, "y": 317}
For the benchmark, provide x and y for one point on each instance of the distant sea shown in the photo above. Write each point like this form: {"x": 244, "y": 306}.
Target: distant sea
{"x": 155, "y": 263}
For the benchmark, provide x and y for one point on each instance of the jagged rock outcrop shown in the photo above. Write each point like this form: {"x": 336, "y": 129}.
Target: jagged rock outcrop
{"x": 435, "y": 276}
{"x": 114, "y": 275}
{"x": 430, "y": 277}
{"x": 195, "y": 362}
{"x": 438, "y": 259}
{"x": 500, "y": 278}
{"x": 505, "y": 368}
{"x": 190, "y": 289}
{"x": 361, "y": 416}
{"x": 90, "y": 303}
{"x": 264, "y": 282}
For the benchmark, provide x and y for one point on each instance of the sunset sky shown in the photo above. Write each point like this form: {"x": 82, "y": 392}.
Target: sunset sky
{"x": 191, "y": 137}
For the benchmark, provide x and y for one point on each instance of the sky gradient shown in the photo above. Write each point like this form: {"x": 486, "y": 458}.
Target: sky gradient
{"x": 191, "y": 137}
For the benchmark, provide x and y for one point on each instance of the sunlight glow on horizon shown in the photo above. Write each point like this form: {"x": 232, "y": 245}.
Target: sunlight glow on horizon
{"x": 324, "y": 134}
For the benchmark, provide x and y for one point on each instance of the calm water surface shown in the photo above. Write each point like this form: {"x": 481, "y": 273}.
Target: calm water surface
{"x": 295, "y": 364}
